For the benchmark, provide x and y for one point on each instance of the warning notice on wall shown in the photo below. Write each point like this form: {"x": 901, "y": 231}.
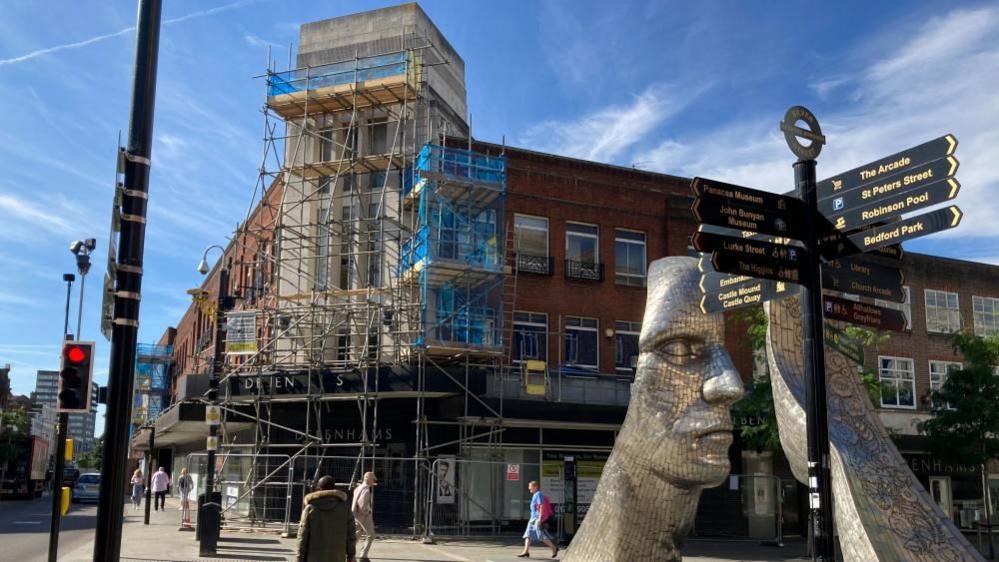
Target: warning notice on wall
{"x": 241, "y": 333}
{"x": 513, "y": 472}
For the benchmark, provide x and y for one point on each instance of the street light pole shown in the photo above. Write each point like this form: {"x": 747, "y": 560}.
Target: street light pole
{"x": 82, "y": 250}
{"x": 55, "y": 518}
{"x": 210, "y": 509}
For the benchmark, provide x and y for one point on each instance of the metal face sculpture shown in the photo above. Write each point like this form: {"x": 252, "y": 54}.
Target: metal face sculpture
{"x": 677, "y": 432}
{"x": 881, "y": 510}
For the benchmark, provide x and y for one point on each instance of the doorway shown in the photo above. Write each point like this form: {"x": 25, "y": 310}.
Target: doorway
{"x": 940, "y": 490}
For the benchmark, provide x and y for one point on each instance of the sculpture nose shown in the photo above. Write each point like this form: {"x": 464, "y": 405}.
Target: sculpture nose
{"x": 724, "y": 388}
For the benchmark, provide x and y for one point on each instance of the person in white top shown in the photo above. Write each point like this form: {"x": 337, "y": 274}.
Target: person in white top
{"x": 159, "y": 486}
{"x": 363, "y": 507}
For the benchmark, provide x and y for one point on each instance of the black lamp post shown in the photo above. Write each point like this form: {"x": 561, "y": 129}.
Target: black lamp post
{"x": 210, "y": 509}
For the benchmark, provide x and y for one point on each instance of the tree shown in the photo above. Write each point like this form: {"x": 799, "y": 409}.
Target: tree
{"x": 965, "y": 422}
{"x": 758, "y": 403}
{"x": 94, "y": 457}
{"x": 14, "y": 425}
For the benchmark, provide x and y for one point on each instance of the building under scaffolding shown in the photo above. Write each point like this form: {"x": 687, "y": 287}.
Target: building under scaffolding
{"x": 387, "y": 250}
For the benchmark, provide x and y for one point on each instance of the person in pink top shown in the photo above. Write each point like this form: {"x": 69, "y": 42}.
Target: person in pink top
{"x": 159, "y": 486}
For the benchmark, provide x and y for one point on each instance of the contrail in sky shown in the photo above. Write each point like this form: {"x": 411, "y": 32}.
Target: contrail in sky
{"x": 125, "y": 31}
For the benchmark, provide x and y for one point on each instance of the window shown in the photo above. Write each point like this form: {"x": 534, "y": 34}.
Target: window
{"x": 327, "y": 145}
{"x": 530, "y": 336}
{"x": 323, "y": 249}
{"x": 986, "y": 313}
{"x": 379, "y": 136}
{"x": 582, "y": 243}
{"x": 582, "y": 252}
{"x": 626, "y": 348}
{"x": 898, "y": 383}
{"x": 531, "y": 235}
{"x": 630, "y": 260}
{"x": 581, "y": 342}
{"x": 942, "y": 313}
{"x": 531, "y": 244}
{"x": 904, "y": 307}
{"x": 939, "y": 371}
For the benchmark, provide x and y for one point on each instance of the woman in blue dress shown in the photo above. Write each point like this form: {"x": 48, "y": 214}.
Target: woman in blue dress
{"x": 536, "y": 530}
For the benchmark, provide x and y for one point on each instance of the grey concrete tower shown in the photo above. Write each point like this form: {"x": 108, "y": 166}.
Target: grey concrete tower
{"x": 376, "y": 32}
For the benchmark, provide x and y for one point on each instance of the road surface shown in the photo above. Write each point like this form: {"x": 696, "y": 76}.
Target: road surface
{"x": 24, "y": 528}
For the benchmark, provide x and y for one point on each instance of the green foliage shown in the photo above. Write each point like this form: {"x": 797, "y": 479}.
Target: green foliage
{"x": 759, "y": 401}
{"x": 755, "y": 321}
{"x": 93, "y": 458}
{"x": 965, "y": 414}
{"x": 14, "y": 426}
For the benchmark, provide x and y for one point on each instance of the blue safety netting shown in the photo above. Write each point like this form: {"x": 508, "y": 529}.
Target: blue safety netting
{"x": 456, "y": 247}
{"x": 347, "y": 72}
{"x": 462, "y": 164}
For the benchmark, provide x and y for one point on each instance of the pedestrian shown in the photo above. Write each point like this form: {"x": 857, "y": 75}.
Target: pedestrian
{"x": 185, "y": 484}
{"x": 541, "y": 509}
{"x": 160, "y": 485}
{"x": 363, "y": 508}
{"x": 137, "y": 489}
{"x": 326, "y": 530}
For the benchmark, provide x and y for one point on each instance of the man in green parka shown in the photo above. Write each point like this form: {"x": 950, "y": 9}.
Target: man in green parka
{"x": 326, "y": 531}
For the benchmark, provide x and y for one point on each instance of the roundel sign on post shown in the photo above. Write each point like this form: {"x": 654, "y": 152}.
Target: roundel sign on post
{"x": 793, "y": 133}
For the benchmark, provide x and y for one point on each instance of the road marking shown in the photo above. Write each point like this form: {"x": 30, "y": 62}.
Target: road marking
{"x": 26, "y": 522}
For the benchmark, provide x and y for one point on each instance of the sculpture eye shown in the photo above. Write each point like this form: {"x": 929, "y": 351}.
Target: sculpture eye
{"x": 683, "y": 351}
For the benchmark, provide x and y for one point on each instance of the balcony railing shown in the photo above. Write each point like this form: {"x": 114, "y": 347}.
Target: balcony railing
{"x": 584, "y": 270}
{"x": 535, "y": 265}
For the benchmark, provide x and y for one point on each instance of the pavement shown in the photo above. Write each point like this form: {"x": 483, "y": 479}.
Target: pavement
{"x": 161, "y": 541}
{"x": 24, "y": 535}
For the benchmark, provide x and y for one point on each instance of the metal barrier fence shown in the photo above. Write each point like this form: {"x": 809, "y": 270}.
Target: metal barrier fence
{"x": 479, "y": 497}
{"x": 458, "y": 497}
{"x": 745, "y": 507}
{"x": 267, "y": 490}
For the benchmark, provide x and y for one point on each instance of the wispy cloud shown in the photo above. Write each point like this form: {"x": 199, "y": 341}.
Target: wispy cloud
{"x": 606, "y": 133}
{"x": 20, "y": 209}
{"x": 119, "y": 33}
{"x": 7, "y": 297}
{"x": 254, "y": 41}
{"x": 941, "y": 78}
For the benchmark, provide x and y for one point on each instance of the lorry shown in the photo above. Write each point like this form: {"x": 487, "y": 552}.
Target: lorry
{"x": 26, "y": 471}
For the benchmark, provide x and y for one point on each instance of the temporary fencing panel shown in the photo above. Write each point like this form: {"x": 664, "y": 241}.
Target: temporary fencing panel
{"x": 745, "y": 506}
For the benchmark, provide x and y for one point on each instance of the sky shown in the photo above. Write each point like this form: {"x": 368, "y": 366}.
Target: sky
{"x": 685, "y": 88}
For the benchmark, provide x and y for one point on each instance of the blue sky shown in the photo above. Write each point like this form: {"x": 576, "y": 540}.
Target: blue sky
{"x": 688, "y": 88}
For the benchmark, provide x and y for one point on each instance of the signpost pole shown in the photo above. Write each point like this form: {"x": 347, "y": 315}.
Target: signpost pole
{"x": 128, "y": 284}
{"x": 819, "y": 482}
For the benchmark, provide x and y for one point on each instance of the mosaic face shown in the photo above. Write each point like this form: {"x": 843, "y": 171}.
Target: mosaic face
{"x": 685, "y": 382}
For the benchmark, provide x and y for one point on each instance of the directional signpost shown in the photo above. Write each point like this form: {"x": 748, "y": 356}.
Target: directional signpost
{"x": 865, "y": 278}
{"x": 890, "y": 165}
{"x": 722, "y": 292}
{"x": 869, "y": 315}
{"x": 760, "y": 242}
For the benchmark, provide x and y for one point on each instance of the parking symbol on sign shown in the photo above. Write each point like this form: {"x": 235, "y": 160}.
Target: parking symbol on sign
{"x": 838, "y": 204}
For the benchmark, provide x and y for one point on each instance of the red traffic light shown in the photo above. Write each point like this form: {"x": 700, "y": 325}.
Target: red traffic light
{"x": 74, "y": 354}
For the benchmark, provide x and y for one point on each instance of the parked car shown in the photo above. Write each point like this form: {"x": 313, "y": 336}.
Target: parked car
{"x": 88, "y": 487}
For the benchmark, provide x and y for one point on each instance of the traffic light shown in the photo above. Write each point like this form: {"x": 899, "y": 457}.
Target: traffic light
{"x": 75, "y": 376}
